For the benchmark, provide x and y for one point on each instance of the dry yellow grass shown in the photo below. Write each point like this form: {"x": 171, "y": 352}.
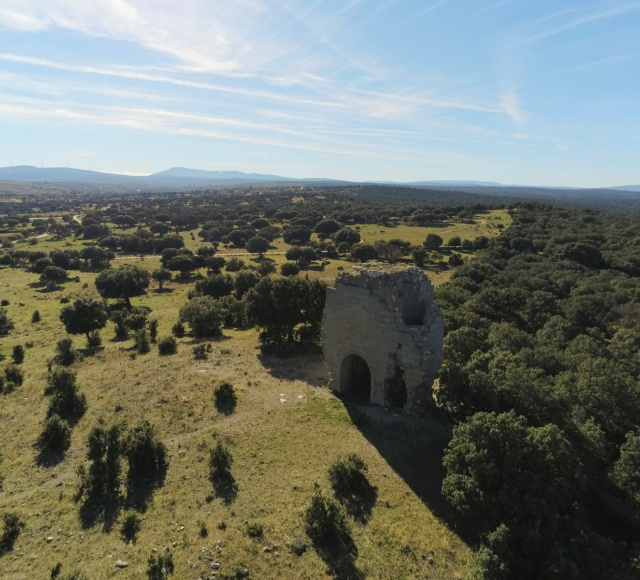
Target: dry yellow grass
{"x": 280, "y": 450}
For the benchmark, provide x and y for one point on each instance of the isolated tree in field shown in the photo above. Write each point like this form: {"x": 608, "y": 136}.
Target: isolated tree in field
{"x": 84, "y": 316}
{"x": 432, "y": 242}
{"x": 204, "y": 315}
{"x": 6, "y": 324}
{"x": 18, "y": 354}
{"x": 289, "y": 269}
{"x": 123, "y": 282}
{"x": 346, "y": 235}
{"x": 145, "y": 454}
{"x": 66, "y": 401}
{"x": 257, "y": 245}
{"x": 105, "y": 447}
{"x": 363, "y": 252}
{"x": 161, "y": 275}
{"x": 53, "y": 276}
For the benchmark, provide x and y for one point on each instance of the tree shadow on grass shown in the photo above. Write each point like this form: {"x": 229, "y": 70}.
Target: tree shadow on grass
{"x": 226, "y": 407}
{"x": 140, "y": 493}
{"x": 103, "y": 508}
{"x": 87, "y": 352}
{"x": 309, "y": 367}
{"x": 413, "y": 447}
{"x": 360, "y": 500}
{"x": 332, "y": 541}
{"x": 341, "y": 561}
{"x": 225, "y": 487}
{"x": 50, "y": 457}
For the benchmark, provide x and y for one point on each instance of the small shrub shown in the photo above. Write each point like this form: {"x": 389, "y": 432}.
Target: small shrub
{"x": 298, "y": 546}
{"x": 225, "y": 398}
{"x": 289, "y": 269}
{"x": 160, "y": 566}
{"x": 14, "y": 375}
{"x": 204, "y": 532}
{"x": 153, "y": 330}
{"x": 346, "y": 475}
{"x": 94, "y": 340}
{"x": 18, "y": 354}
{"x": 4, "y": 302}
{"x": 200, "y": 351}
{"x": 220, "y": 461}
{"x": 168, "y": 345}
{"x": 55, "y": 436}
{"x": 13, "y": 525}
{"x": 178, "y": 330}
{"x": 66, "y": 401}
{"x": 143, "y": 345}
{"x": 255, "y": 530}
{"x": 65, "y": 355}
{"x": 35, "y": 317}
{"x": 130, "y": 528}
{"x": 145, "y": 453}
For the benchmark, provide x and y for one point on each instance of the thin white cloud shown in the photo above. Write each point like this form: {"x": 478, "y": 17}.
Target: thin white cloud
{"x": 511, "y": 107}
{"x": 139, "y": 73}
{"x": 610, "y": 59}
{"x": 372, "y": 103}
{"x": 581, "y": 21}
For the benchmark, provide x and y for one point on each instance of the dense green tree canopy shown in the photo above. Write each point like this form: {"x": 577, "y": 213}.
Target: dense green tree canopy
{"x": 83, "y": 316}
{"x": 123, "y": 282}
{"x": 279, "y": 305}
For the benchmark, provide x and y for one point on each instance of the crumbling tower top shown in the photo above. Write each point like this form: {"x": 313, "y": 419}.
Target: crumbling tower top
{"x": 382, "y": 335}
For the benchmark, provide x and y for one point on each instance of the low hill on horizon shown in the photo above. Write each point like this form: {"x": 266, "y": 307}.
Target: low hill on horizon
{"x": 618, "y": 197}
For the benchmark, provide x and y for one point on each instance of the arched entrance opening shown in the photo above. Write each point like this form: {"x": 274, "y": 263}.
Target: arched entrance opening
{"x": 355, "y": 378}
{"x": 395, "y": 390}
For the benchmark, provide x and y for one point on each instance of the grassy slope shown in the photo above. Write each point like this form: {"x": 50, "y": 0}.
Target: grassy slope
{"x": 280, "y": 451}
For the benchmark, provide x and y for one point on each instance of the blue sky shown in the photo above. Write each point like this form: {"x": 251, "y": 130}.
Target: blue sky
{"x": 516, "y": 91}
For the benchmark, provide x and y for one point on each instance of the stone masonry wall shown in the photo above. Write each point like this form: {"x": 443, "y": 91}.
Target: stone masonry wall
{"x": 387, "y": 316}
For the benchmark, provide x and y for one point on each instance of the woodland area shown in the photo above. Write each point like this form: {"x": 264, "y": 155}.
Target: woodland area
{"x": 539, "y": 378}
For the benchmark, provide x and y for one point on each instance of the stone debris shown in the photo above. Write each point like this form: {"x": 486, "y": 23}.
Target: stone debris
{"x": 121, "y": 564}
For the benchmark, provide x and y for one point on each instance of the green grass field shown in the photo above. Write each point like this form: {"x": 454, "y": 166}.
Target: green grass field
{"x": 280, "y": 449}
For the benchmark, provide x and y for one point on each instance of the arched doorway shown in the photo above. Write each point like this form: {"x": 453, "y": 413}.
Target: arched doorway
{"x": 355, "y": 378}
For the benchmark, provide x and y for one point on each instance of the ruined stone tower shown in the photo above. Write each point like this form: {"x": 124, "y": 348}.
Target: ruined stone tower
{"x": 382, "y": 336}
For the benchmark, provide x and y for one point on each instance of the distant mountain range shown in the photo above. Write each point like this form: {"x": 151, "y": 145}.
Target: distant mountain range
{"x": 173, "y": 176}
{"x": 183, "y": 177}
